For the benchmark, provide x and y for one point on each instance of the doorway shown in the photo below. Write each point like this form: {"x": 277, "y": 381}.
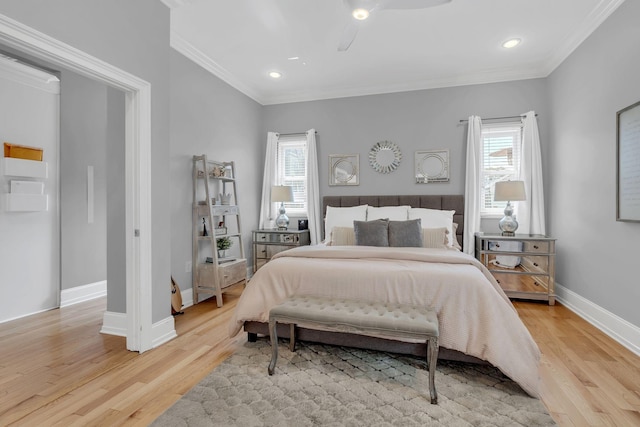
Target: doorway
{"x": 137, "y": 164}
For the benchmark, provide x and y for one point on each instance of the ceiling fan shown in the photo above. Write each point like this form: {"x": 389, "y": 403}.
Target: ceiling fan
{"x": 361, "y": 9}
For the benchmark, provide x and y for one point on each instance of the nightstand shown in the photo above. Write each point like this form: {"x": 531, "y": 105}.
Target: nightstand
{"x": 267, "y": 243}
{"x": 523, "y": 265}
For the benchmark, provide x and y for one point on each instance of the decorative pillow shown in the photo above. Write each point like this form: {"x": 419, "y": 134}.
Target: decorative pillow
{"x": 372, "y": 233}
{"x": 342, "y": 217}
{"x": 393, "y": 213}
{"x": 435, "y": 238}
{"x": 407, "y": 234}
{"x": 454, "y": 239}
{"x": 434, "y": 218}
{"x": 343, "y": 236}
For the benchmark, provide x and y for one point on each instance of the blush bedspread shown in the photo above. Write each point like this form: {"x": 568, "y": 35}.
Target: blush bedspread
{"x": 475, "y": 316}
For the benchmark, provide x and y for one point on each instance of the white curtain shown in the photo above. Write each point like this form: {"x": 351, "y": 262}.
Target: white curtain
{"x": 266, "y": 207}
{"x": 530, "y": 213}
{"x": 313, "y": 189}
{"x": 472, "y": 185}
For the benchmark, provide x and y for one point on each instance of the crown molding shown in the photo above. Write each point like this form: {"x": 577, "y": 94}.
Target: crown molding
{"x": 15, "y": 71}
{"x": 196, "y": 55}
{"x": 597, "y": 16}
{"x": 486, "y": 77}
{"x": 172, "y": 4}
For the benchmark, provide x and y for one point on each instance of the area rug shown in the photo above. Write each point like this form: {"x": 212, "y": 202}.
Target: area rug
{"x": 322, "y": 385}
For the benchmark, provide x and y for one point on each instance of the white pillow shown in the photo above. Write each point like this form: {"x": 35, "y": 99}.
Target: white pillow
{"x": 434, "y": 218}
{"x": 393, "y": 213}
{"x": 342, "y": 217}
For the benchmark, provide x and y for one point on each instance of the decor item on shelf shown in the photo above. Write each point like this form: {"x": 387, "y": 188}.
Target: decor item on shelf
{"x": 385, "y": 156}
{"x": 217, "y": 171}
{"x": 223, "y": 243}
{"x": 282, "y": 193}
{"x": 225, "y": 199}
{"x": 22, "y": 152}
{"x": 204, "y": 227}
{"x": 431, "y": 166}
{"x": 509, "y": 191}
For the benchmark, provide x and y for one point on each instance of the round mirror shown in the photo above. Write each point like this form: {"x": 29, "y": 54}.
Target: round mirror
{"x": 432, "y": 166}
{"x": 385, "y": 156}
{"x": 344, "y": 171}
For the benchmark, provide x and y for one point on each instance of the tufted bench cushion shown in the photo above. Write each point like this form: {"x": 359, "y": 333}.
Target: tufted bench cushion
{"x": 358, "y": 317}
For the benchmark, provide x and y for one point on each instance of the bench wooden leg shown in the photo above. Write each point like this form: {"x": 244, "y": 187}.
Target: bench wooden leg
{"x": 292, "y": 337}
{"x": 273, "y": 335}
{"x": 432, "y": 360}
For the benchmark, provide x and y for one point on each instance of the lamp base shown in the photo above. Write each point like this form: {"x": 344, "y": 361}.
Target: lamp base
{"x": 282, "y": 222}
{"x": 508, "y": 224}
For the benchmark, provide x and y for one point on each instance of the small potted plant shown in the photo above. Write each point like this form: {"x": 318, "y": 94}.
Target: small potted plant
{"x": 223, "y": 244}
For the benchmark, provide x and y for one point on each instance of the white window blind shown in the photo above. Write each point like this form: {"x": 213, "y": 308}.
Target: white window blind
{"x": 501, "y": 144}
{"x": 291, "y": 170}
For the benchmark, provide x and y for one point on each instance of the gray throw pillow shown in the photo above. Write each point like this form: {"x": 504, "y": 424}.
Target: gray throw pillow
{"x": 407, "y": 234}
{"x": 371, "y": 233}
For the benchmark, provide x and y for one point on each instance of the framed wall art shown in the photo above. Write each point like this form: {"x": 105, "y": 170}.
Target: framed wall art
{"x": 431, "y": 166}
{"x": 628, "y": 163}
{"x": 344, "y": 169}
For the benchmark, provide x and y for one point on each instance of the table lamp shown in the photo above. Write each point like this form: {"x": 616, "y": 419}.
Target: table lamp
{"x": 509, "y": 191}
{"x": 282, "y": 193}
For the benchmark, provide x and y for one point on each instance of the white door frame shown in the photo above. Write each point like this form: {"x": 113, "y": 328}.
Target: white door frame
{"x": 137, "y": 163}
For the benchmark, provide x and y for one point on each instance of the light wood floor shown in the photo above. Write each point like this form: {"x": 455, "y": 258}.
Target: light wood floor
{"x": 57, "y": 369}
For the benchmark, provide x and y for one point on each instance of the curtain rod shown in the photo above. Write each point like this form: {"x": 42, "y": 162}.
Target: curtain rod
{"x": 499, "y": 118}
{"x": 294, "y": 134}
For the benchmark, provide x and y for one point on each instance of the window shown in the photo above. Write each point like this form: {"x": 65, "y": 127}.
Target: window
{"x": 500, "y": 145}
{"x": 291, "y": 170}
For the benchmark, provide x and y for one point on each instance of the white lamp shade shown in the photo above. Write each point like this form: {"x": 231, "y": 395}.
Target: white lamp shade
{"x": 281, "y": 193}
{"x": 509, "y": 191}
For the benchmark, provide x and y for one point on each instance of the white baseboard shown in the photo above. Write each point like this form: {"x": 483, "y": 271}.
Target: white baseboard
{"x": 116, "y": 324}
{"x": 614, "y": 326}
{"x": 83, "y": 293}
{"x": 187, "y": 297}
{"x": 163, "y": 331}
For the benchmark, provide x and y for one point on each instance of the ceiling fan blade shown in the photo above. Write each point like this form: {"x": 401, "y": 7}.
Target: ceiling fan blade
{"x": 409, "y": 4}
{"x": 348, "y": 36}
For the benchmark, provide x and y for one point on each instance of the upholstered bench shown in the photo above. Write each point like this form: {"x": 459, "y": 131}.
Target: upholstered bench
{"x": 358, "y": 317}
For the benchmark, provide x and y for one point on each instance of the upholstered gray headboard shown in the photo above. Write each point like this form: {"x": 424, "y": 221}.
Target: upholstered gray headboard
{"x": 444, "y": 202}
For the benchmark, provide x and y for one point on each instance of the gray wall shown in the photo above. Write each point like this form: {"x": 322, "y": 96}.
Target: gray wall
{"x": 134, "y": 36}
{"x": 83, "y": 113}
{"x": 597, "y": 256}
{"x": 210, "y": 117}
{"x": 116, "y": 210}
{"x": 419, "y": 120}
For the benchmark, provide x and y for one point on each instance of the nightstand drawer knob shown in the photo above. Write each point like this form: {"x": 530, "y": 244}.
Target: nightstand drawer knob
{"x": 536, "y": 247}
{"x": 535, "y": 264}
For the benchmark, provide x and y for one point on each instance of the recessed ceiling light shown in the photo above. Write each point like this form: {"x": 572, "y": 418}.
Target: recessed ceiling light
{"x": 360, "y": 14}
{"x": 511, "y": 43}
{"x": 275, "y": 74}
{"x": 293, "y": 58}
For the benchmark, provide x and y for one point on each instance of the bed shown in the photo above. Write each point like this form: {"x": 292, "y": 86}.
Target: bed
{"x": 478, "y": 323}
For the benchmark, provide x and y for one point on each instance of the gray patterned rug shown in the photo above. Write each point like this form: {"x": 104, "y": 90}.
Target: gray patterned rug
{"x": 335, "y": 386}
